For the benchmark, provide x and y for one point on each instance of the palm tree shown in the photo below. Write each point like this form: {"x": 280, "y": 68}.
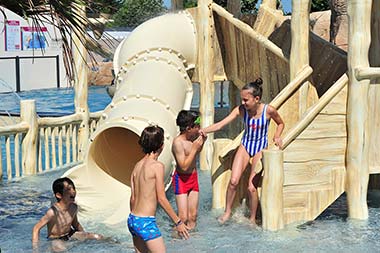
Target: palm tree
{"x": 67, "y": 17}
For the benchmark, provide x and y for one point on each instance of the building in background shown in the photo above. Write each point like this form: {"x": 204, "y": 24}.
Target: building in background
{"x": 29, "y": 58}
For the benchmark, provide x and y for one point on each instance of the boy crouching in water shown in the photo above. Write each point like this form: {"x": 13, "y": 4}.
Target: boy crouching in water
{"x": 147, "y": 188}
{"x": 61, "y": 218}
{"x": 186, "y": 147}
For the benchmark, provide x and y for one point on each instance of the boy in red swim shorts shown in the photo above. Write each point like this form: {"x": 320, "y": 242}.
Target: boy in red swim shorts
{"x": 186, "y": 146}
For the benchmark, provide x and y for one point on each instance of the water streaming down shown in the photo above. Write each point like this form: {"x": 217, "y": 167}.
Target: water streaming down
{"x": 24, "y": 201}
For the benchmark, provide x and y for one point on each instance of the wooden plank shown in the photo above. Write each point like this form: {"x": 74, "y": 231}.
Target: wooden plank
{"x": 53, "y": 148}
{"x": 47, "y": 148}
{"x": 315, "y": 172}
{"x": 40, "y": 141}
{"x": 74, "y": 142}
{"x": 328, "y": 149}
{"x": 8, "y": 156}
{"x": 295, "y": 200}
{"x": 325, "y": 126}
{"x": 60, "y": 160}
{"x": 338, "y": 104}
{"x": 17, "y": 154}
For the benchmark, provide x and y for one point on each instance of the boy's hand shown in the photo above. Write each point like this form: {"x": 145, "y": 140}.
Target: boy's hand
{"x": 199, "y": 142}
{"x": 182, "y": 230}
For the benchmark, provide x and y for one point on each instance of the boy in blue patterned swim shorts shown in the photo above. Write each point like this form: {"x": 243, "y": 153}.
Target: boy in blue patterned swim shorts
{"x": 147, "y": 188}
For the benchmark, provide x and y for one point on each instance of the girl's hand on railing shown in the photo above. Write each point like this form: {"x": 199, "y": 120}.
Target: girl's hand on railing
{"x": 278, "y": 142}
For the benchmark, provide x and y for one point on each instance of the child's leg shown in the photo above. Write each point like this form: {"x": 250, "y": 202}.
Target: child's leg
{"x": 193, "y": 201}
{"x": 182, "y": 205}
{"x": 252, "y": 189}
{"x": 140, "y": 246}
{"x": 156, "y": 245}
{"x": 238, "y": 166}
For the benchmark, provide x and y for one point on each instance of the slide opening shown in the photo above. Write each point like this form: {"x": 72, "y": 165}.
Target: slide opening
{"x": 116, "y": 151}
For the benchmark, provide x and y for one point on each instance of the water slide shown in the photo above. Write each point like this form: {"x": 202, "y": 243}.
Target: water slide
{"x": 152, "y": 86}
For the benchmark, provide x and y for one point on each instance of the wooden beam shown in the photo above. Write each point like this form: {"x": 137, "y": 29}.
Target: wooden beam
{"x": 271, "y": 200}
{"x": 299, "y": 54}
{"x": 206, "y": 74}
{"x": 357, "y": 155}
{"x": 367, "y": 73}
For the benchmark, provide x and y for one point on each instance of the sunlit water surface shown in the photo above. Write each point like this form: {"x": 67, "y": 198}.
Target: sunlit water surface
{"x": 24, "y": 202}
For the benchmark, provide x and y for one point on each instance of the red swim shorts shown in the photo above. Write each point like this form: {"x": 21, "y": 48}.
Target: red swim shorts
{"x": 185, "y": 183}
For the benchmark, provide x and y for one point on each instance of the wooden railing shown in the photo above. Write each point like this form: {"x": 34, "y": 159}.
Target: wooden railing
{"x": 37, "y": 145}
{"x": 272, "y": 191}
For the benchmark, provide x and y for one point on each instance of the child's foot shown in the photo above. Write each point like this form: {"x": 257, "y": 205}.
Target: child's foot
{"x": 252, "y": 222}
{"x": 225, "y": 217}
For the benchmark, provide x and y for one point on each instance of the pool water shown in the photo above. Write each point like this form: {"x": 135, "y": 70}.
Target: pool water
{"x": 23, "y": 202}
{"x": 54, "y": 102}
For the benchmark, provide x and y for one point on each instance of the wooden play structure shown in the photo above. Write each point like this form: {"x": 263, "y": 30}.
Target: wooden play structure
{"x": 327, "y": 98}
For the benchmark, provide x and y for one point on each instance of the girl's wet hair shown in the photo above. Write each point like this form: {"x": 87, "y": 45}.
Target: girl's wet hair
{"x": 186, "y": 119}
{"x": 255, "y": 87}
{"x": 151, "y": 139}
{"x": 59, "y": 185}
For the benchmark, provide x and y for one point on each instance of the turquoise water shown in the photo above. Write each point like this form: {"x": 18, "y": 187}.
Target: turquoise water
{"x": 54, "y": 102}
{"x": 24, "y": 201}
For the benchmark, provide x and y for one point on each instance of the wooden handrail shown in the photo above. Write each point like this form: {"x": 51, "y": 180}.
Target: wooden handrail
{"x": 291, "y": 87}
{"x": 249, "y": 31}
{"x": 13, "y": 129}
{"x": 60, "y": 121}
{"x": 314, "y": 110}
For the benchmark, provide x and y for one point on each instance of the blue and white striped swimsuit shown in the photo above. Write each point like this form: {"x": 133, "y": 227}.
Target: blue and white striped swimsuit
{"x": 255, "y": 136}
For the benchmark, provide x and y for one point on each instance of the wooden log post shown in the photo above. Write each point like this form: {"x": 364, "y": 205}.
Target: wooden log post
{"x": 220, "y": 174}
{"x": 267, "y": 18}
{"x": 206, "y": 74}
{"x": 374, "y": 93}
{"x": 81, "y": 90}
{"x": 299, "y": 56}
{"x": 272, "y": 190}
{"x": 357, "y": 155}
{"x": 29, "y": 144}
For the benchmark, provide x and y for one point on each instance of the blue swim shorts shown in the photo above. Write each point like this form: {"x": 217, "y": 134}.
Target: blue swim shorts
{"x": 143, "y": 227}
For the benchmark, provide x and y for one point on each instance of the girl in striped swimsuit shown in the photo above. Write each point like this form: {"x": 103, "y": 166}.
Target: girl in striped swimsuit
{"x": 256, "y": 117}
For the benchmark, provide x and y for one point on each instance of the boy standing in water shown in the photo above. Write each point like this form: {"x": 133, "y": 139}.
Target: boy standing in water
{"x": 61, "y": 218}
{"x": 147, "y": 188}
{"x": 256, "y": 116}
{"x": 185, "y": 149}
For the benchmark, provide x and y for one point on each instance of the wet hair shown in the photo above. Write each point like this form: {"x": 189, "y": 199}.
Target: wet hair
{"x": 255, "y": 87}
{"x": 59, "y": 185}
{"x": 186, "y": 118}
{"x": 151, "y": 139}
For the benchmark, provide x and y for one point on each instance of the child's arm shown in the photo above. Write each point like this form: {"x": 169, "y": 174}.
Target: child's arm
{"x": 40, "y": 224}
{"x": 183, "y": 161}
{"x": 164, "y": 203}
{"x": 76, "y": 225}
{"x": 280, "y": 125}
{"x": 219, "y": 125}
{"x": 132, "y": 198}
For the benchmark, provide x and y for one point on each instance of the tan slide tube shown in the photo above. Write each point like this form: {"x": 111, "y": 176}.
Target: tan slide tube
{"x": 152, "y": 86}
